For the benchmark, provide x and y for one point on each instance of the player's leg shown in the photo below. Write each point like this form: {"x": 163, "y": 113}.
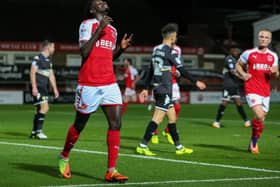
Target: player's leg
{"x": 241, "y": 111}
{"x": 157, "y": 118}
{"x": 71, "y": 138}
{"x": 176, "y": 96}
{"x": 221, "y": 109}
{"x": 125, "y": 100}
{"x": 257, "y": 128}
{"x": 87, "y": 100}
{"x": 260, "y": 107}
{"x": 180, "y": 149}
{"x": 220, "y": 113}
{"x": 113, "y": 115}
{"x": 111, "y": 106}
{"x": 35, "y": 123}
{"x": 42, "y": 106}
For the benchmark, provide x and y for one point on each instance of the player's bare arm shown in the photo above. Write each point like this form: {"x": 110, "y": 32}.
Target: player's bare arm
{"x": 275, "y": 71}
{"x": 86, "y": 46}
{"x": 33, "y": 80}
{"x": 53, "y": 84}
{"x": 240, "y": 71}
{"x": 125, "y": 43}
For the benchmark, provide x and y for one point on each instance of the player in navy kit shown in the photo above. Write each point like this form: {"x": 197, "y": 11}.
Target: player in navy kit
{"x": 97, "y": 86}
{"x": 160, "y": 74}
{"x": 41, "y": 73}
{"x": 231, "y": 89}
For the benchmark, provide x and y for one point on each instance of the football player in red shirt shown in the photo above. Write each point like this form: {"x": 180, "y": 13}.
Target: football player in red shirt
{"x": 262, "y": 63}
{"x": 97, "y": 85}
{"x": 131, "y": 77}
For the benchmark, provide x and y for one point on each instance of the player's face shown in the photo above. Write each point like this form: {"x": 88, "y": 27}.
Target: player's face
{"x": 264, "y": 38}
{"x": 173, "y": 37}
{"x": 51, "y": 49}
{"x": 99, "y": 6}
{"x": 235, "y": 52}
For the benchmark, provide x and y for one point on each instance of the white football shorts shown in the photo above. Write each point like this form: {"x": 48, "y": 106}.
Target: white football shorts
{"x": 89, "y": 98}
{"x": 255, "y": 99}
{"x": 129, "y": 92}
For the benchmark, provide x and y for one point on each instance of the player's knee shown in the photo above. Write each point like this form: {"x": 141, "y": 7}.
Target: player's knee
{"x": 260, "y": 117}
{"x": 44, "y": 109}
{"x": 115, "y": 124}
{"x": 80, "y": 121}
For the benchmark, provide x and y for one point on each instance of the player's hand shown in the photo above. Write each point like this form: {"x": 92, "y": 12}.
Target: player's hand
{"x": 275, "y": 71}
{"x": 35, "y": 92}
{"x": 177, "y": 73}
{"x": 143, "y": 95}
{"x": 201, "y": 85}
{"x": 126, "y": 41}
{"x": 246, "y": 76}
{"x": 56, "y": 94}
{"x": 106, "y": 20}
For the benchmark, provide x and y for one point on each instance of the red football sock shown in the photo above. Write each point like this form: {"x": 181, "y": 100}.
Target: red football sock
{"x": 166, "y": 130}
{"x": 257, "y": 128}
{"x": 124, "y": 107}
{"x": 113, "y": 143}
{"x": 156, "y": 132}
{"x": 71, "y": 139}
{"x": 177, "y": 108}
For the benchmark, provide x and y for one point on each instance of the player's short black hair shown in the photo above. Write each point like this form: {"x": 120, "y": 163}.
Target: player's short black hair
{"x": 46, "y": 43}
{"x": 168, "y": 29}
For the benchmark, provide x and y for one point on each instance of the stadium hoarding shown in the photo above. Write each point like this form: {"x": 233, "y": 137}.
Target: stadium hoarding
{"x": 202, "y": 97}
{"x": 11, "y": 97}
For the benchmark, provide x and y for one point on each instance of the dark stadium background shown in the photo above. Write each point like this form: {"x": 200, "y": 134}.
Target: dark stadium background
{"x": 34, "y": 20}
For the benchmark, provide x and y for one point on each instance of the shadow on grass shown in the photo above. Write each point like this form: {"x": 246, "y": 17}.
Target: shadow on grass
{"x": 133, "y": 138}
{"x": 197, "y": 122}
{"x": 222, "y": 147}
{"x": 49, "y": 170}
{"x": 18, "y": 134}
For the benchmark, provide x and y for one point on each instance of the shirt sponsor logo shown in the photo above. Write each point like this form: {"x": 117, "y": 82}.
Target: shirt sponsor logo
{"x": 104, "y": 44}
{"x": 261, "y": 66}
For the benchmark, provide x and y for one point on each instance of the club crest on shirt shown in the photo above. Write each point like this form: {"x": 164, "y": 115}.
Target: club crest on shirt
{"x": 269, "y": 58}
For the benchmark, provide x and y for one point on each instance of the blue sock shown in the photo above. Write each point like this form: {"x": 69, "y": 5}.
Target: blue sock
{"x": 254, "y": 140}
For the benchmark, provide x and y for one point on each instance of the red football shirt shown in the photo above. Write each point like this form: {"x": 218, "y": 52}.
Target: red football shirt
{"x": 258, "y": 65}
{"x": 130, "y": 76}
{"x": 97, "y": 69}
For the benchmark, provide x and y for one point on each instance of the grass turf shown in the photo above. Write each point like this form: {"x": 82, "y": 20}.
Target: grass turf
{"x": 220, "y": 156}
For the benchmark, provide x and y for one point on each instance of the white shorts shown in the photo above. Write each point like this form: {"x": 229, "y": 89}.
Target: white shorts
{"x": 89, "y": 98}
{"x": 255, "y": 99}
{"x": 129, "y": 92}
{"x": 176, "y": 95}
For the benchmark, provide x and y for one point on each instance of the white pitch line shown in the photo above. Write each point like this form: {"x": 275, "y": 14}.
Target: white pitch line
{"x": 147, "y": 157}
{"x": 170, "y": 182}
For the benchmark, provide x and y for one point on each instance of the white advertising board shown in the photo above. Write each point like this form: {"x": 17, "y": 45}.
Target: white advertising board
{"x": 202, "y": 97}
{"x": 11, "y": 97}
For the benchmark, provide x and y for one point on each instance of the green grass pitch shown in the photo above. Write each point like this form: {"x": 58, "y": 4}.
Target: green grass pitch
{"x": 220, "y": 156}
